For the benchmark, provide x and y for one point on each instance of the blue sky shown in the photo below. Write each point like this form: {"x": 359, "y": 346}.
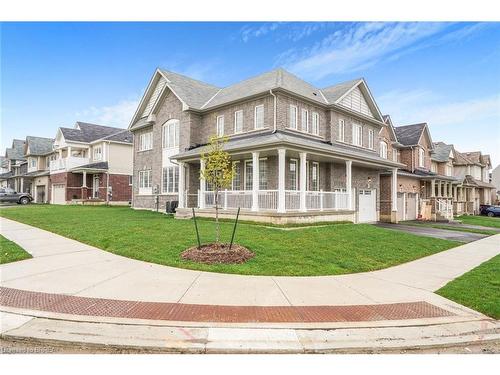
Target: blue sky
{"x": 447, "y": 74}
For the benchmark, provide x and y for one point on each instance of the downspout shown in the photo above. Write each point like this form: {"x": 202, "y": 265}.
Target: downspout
{"x": 274, "y": 113}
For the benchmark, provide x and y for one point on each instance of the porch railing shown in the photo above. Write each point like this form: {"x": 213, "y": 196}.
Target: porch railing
{"x": 445, "y": 208}
{"x": 327, "y": 200}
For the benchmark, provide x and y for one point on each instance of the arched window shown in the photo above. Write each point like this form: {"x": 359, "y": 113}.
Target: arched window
{"x": 383, "y": 150}
{"x": 171, "y": 134}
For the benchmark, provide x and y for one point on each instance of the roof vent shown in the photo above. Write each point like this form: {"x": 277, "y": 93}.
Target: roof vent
{"x": 315, "y": 94}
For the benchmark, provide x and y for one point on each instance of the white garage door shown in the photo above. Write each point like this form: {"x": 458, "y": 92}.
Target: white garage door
{"x": 367, "y": 202}
{"x": 411, "y": 206}
{"x": 58, "y": 194}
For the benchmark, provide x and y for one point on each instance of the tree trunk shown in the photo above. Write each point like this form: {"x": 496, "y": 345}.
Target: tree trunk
{"x": 217, "y": 228}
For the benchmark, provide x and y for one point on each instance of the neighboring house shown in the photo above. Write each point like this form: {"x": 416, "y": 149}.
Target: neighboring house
{"x": 495, "y": 181}
{"x": 473, "y": 168}
{"x": 422, "y": 191}
{"x": 91, "y": 163}
{"x": 38, "y": 152}
{"x": 300, "y": 153}
{"x": 4, "y": 171}
{"x": 17, "y": 166}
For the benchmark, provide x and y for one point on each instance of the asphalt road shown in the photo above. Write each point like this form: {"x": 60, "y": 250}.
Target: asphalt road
{"x": 452, "y": 235}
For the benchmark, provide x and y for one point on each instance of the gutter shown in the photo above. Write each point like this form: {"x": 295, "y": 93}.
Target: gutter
{"x": 274, "y": 112}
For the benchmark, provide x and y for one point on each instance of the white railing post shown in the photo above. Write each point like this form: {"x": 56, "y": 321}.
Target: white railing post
{"x": 348, "y": 183}
{"x": 321, "y": 197}
{"x": 303, "y": 181}
{"x": 281, "y": 180}
{"x": 225, "y": 199}
{"x": 201, "y": 192}
{"x": 255, "y": 182}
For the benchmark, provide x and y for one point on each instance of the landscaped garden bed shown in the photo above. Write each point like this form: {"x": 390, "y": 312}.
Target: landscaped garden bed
{"x": 157, "y": 238}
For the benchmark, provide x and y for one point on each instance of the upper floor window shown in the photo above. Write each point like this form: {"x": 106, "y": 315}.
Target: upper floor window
{"x": 434, "y": 167}
{"x": 449, "y": 169}
{"x": 171, "y": 134}
{"x": 259, "y": 117}
{"x": 305, "y": 120}
{"x": 238, "y": 121}
{"x": 370, "y": 139}
{"x": 421, "y": 158}
{"x": 97, "y": 153}
{"x": 146, "y": 141}
{"x": 32, "y": 162}
{"x": 315, "y": 123}
{"x": 383, "y": 150}
{"x": 293, "y": 117}
{"x": 357, "y": 135}
{"x": 220, "y": 126}
{"x": 395, "y": 155}
{"x": 341, "y": 132}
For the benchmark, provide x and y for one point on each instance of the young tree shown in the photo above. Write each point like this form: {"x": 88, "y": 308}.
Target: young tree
{"x": 219, "y": 173}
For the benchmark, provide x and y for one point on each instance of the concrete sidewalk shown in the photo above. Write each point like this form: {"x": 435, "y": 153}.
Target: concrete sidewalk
{"x": 61, "y": 265}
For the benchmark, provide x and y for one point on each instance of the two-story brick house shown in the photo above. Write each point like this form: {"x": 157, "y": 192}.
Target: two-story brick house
{"x": 300, "y": 153}
{"x": 91, "y": 164}
{"x": 37, "y": 152}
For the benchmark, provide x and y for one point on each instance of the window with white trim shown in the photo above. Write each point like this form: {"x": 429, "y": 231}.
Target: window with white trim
{"x": 145, "y": 181}
{"x": 357, "y": 135}
{"x": 449, "y": 169}
{"x": 305, "y": 120}
{"x": 248, "y": 175}
{"x": 293, "y": 181}
{"x": 421, "y": 158}
{"x": 259, "y": 117}
{"x": 238, "y": 121}
{"x": 97, "y": 153}
{"x": 314, "y": 173}
{"x": 293, "y": 117}
{"x": 263, "y": 174}
{"x": 341, "y": 132}
{"x": 171, "y": 134}
{"x": 170, "y": 179}
{"x": 237, "y": 176}
{"x": 383, "y": 149}
{"x": 33, "y": 162}
{"x": 395, "y": 155}
{"x": 370, "y": 139}
{"x": 315, "y": 123}
{"x": 146, "y": 141}
{"x": 220, "y": 126}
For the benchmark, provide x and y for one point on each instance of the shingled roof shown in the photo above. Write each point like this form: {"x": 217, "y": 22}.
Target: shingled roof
{"x": 85, "y": 132}
{"x": 123, "y": 136}
{"x": 441, "y": 152}
{"x": 409, "y": 135}
{"x": 39, "y": 145}
{"x": 16, "y": 152}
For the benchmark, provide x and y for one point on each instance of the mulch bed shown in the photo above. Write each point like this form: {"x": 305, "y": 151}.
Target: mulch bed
{"x": 218, "y": 253}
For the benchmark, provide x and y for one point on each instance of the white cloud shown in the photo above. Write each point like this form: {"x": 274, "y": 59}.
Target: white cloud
{"x": 468, "y": 124}
{"x": 249, "y": 32}
{"x": 119, "y": 114}
{"x": 356, "y": 47}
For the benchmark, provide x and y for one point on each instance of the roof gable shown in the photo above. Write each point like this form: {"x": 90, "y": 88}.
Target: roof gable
{"x": 38, "y": 145}
{"x": 411, "y": 135}
{"x": 85, "y": 132}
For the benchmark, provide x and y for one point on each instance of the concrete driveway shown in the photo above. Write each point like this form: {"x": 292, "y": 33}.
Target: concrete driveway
{"x": 452, "y": 235}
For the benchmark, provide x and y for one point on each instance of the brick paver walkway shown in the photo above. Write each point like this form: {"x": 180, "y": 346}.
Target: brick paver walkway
{"x": 59, "y": 303}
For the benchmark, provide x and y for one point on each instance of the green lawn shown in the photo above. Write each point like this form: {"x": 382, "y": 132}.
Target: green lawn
{"x": 10, "y": 252}
{"x": 478, "y": 289}
{"x": 485, "y": 221}
{"x": 157, "y": 238}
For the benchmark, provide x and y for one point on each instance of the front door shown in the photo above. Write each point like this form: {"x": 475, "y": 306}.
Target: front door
{"x": 95, "y": 187}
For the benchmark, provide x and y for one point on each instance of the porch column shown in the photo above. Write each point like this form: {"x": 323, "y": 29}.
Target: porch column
{"x": 455, "y": 193}
{"x": 84, "y": 182}
{"x": 181, "y": 187}
{"x": 69, "y": 151}
{"x": 281, "y": 179}
{"x": 201, "y": 198}
{"x": 303, "y": 180}
{"x": 21, "y": 185}
{"x": 348, "y": 182}
{"x": 394, "y": 192}
{"x": 433, "y": 188}
{"x": 255, "y": 181}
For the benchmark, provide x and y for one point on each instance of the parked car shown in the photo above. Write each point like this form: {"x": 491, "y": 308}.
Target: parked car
{"x": 483, "y": 207}
{"x": 491, "y": 211}
{"x": 10, "y": 195}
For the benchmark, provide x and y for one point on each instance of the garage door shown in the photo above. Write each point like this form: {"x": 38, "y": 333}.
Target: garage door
{"x": 401, "y": 207}
{"x": 367, "y": 206}
{"x": 58, "y": 194}
{"x": 411, "y": 206}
